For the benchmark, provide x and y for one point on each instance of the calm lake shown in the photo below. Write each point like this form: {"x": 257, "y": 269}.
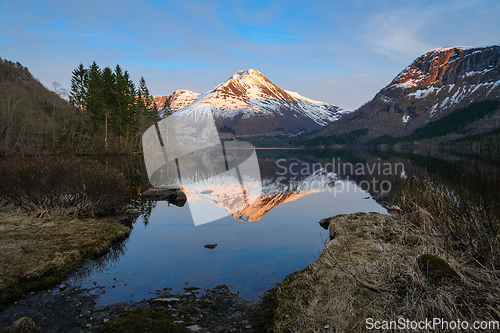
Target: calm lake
{"x": 257, "y": 246}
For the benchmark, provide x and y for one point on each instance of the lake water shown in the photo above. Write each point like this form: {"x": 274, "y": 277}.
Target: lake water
{"x": 257, "y": 246}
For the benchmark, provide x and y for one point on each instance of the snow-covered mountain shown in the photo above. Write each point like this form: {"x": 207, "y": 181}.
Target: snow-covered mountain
{"x": 433, "y": 86}
{"x": 249, "y": 104}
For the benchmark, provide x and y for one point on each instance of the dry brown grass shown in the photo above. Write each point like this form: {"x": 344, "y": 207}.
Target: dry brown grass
{"x": 61, "y": 185}
{"x": 40, "y": 252}
{"x": 369, "y": 270}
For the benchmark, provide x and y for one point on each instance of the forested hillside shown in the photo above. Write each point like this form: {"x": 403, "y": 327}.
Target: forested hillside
{"x": 107, "y": 113}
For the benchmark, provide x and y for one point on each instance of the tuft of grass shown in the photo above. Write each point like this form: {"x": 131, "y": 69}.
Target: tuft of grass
{"x": 142, "y": 320}
{"x": 265, "y": 314}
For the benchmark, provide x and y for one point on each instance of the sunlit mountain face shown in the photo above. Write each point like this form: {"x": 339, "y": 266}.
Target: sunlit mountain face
{"x": 249, "y": 104}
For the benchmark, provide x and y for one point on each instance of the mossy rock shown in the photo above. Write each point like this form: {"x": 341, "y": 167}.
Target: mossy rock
{"x": 435, "y": 268}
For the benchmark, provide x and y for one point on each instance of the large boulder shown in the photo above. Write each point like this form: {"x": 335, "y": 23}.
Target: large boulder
{"x": 171, "y": 193}
{"x": 161, "y": 192}
{"x": 435, "y": 268}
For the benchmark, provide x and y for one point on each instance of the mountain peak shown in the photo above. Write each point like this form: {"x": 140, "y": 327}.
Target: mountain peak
{"x": 448, "y": 48}
{"x": 441, "y": 66}
{"x": 242, "y": 87}
{"x": 240, "y": 74}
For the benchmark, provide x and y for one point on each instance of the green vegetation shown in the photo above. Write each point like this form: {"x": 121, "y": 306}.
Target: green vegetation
{"x": 265, "y": 314}
{"x": 307, "y": 140}
{"x": 483, "y": 138}
{"x": 227, "y": 129}
{"x": 455, "y": 122}
{"x": 341, "y": 139}
{"x": 143, "y": 320}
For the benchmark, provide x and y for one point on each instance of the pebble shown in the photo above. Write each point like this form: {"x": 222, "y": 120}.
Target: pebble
{"x": 167, "y": 299}
{"x": 194, "y": 328}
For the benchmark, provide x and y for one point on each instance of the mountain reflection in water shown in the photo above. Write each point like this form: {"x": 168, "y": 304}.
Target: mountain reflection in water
{"x": 166, "y": 249}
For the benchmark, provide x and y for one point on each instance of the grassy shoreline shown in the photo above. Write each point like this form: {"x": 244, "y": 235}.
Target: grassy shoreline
{"x": 39, "y": 253}
{"x": 372, "y": 268}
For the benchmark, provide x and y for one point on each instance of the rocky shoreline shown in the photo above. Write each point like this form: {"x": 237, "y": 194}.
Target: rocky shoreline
{"x": 73, "y": 310}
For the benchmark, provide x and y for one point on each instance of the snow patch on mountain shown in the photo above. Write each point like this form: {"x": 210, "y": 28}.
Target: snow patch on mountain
{"x": 423, "y": 93}
{"x": 299, "y": 96}
{"x": 443, "y": 49}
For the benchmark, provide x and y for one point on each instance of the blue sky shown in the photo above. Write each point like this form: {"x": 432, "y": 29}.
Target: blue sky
{"x": 340, "y": 52}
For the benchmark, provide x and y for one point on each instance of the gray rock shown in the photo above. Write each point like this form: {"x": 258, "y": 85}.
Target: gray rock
{"x": 62, "y": 287}
{"x": 143, "y": 306}
{"x": 179, "y": 195}
{"x": 237, "y": 316}
{"x": 194, "y": 328}
{"x": 161, "y": 192}
{"x": 324, "y": 223}
{"x": 167, "y": 299}
{"x": 169, "y": 187}
{"x": 24, "y": 325}
{"x": 132, "y": 212}
{"x": 127, "y": 207}
{"x": 192, "y": 288}
{"x": 238, "y": 304}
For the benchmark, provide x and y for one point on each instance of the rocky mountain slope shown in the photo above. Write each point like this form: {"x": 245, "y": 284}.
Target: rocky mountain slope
{"x": 433, "y": 86}
{"x": 249, "y": 104}
{"x": 178, "y": 99}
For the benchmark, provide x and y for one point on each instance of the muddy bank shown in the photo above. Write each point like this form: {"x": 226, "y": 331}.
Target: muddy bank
{"x": 37, "y": 253}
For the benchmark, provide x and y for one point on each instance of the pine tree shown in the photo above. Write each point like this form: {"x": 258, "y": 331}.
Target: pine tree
{"x": 95, "y": 100}
{"x": 166, "y": 110}
{"x": 148, "y": 108}
{"x": 78, "y": 93}
{"x": 109, "y": 100}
